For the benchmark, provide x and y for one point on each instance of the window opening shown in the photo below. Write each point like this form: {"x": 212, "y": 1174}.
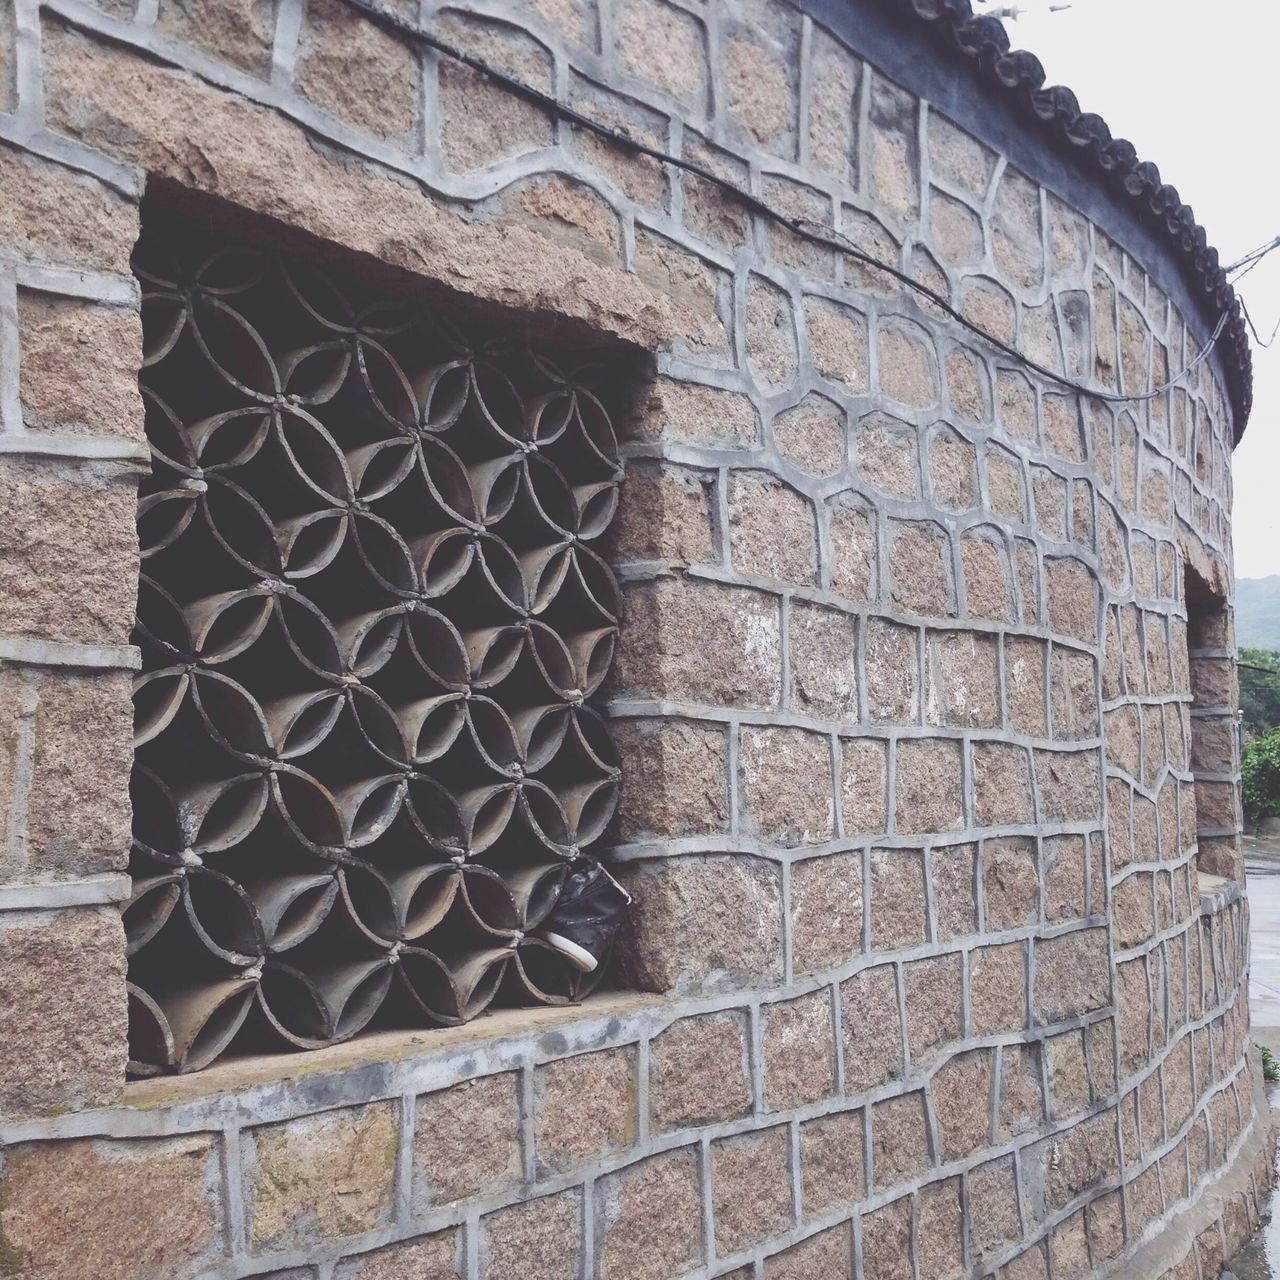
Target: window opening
{"x": 1215, "y": 729}
{"x": 369, "y": 786}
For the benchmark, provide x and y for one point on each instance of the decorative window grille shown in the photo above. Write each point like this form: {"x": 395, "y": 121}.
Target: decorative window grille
{"x": 371, "y": 620}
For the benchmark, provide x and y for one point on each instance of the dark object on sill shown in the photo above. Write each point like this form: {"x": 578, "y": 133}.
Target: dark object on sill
{"x": 584, "y": 923}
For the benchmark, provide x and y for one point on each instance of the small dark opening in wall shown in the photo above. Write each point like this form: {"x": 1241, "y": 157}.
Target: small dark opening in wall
{"x": 1215, "y": 750}
{"x": 370, "y": 785}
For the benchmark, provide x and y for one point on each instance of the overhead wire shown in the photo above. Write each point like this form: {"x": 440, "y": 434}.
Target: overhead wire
{"x": 824, "y": 237}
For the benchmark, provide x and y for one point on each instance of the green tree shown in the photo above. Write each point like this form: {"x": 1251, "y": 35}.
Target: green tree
{"x": 1260, "y": 689}
{"x": 1260, "y": 776}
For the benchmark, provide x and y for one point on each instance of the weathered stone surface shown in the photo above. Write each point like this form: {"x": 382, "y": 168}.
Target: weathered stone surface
{"x": 771, "y": 529}
{"x": 701, "y": 642}
{"x": 696, "y": 414}
{"x": 837, "y": 338}
{"x": 872, "y": 1028}
{"x": 234, "y": 31}
{"x": 962, "y": 680}
{"x": 62, "y": 1021}
{"x": 1071, "y": 974}
{"x": 1064, "y": 883}
{"x": 934, "y": 1004}
{"x": 585, "y": 1107}
{"x": 1022, "y": 1106}
{"x": 824, "y": 675}
{"x": 887, "y": 455}
{"x": 541, "y": 1239}
{"x": 993, "y": 1208}
{"x": 799, "y": 1053}
{"x": 958, "y": 157}
{"x": 69, "y": 1210}
{"x": 997, "y": 988}
{"x": 664, "y": 513}
{"x": 771, "y": 335}
{"x": 434, "y": 1257}
{"x": 863, "y": 785}
{"x": 1010, "y": 882}
{"x": 1069, "y": 784}
{"x": 929, "y": 792}
{"x": 751, "y": 1188}
{"x": 952, "y": 470}
{"x": 674, "y": 779}
{"x": 1072, "y": 594}
{"x": 703, "y": 922}
{"x": 832, "y": 1173}
{"x": 1078, "y": 1158}
{"x": 826, "y": 911}
{"x": 760, "y": 95}
{"x": 362, "y": 73}
{"x": 320, "y": 1176}
{"x": 854, "y": 557}
{"x": 939, "y": 1230}
{"x": 828, "y": 1254}
{"x": 94, "y": 393}
{"x": 786, "y": 785}
{"x": 811, "y": 436}
{"x": 886, "y": 1242}
{"x": 665, "y": 46}
{"x": 698, "y": 1072}
{"x": 955, "y": 900}
{"x": 920, "y": 571}
{"x": 649, "y": 1218}
{"x": 961, "y": 1093}
{"x": 891, "y": 668}
{"x": 467, "y": 1140}
{"x": 899, "y": 906}
{"x": 1001, "y": 784}
{"x": 55, "y": 215}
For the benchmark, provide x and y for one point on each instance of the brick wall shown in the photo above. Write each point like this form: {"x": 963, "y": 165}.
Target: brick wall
{"x": 929, "y": 985}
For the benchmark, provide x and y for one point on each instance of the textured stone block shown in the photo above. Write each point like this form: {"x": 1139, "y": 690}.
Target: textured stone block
{"x": 1071, "y": 592}
{"x": 234, "y": 31}
{"x": 62, "y": 1021}
{"x": 649, "y": 1219}
{"x": 664, "y": 513}
{"x": 908, "y": 372}
{"x": 1072, "y": 974}
{"x": 771, "y": 529}
{"x": 585, "y": 1107}
{"x": 320, "y": 1176}
{"x": 933, "y": 997}
{"x": 696, "y": 414}
{"x": 703, "y": 921}
{"x": 467, "y": 1140}
{"x": 864, "y": 774}
{"x": 887, "y": 455}
{"x": 922, "y": 580}
{"x": 666, "y": 47}
{"x": 997, "y": 988}
{"x": 1078, "y": 1158}
{"x": 540, "y": 1239}
{"x": 72, "y": 734}
{"x": 1022, "y": 1105}
{"x": 837, "y": 338}
{"x": 988, "y": 578}
{"x": 357, "y": 70}
{"x": 701, "y": 642}
{"x": 1069, "y": 784}
{"x": 871, "y": 1025}
{"x": 811, "y": 436}
{"x": 751, "y": 1188}
{"x": 78, "y": 369}
{"x": 854, "y": 555}
{"x": 886, "y": 1242}
{"x": 832, "y": 1163}
{"x": 770, "y": 334}
{"x": 799, "y": 1051}
{"x": 899, "y": 906}
{"x": 1001, "y": 785}
{"x": 828, "y": 1254}
{"x": 675, "y": 778}
{"x": 929, "y": 792}
{"x": 434, "y": 1257}
{"x": 698, "y": 1073}
{"x": 961, "y": 1091}
{"x": 824, "y": 673}
{"x": 68, "y": 553}
{"x": 993, "y": 1208}
{"x": 891, "y": 668}
{"x": 900, "y": 1147}
{"x": 1010, "y": 882}
{"x": 962, "y": 686}
{"x": 953, "y": 871}
{"x": 786, "y": 785}
{"x": 940, "y": 1231}
{"x": 136, "y": 1209}
{"x": 1064, "y": 883}
{"x": 57, "y": 216}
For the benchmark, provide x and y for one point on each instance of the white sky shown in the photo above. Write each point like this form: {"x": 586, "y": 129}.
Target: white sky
{"x": 1195, "y": 86}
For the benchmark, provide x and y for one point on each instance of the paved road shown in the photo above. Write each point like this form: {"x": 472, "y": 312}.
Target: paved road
{"x": 1260, "y": 1259}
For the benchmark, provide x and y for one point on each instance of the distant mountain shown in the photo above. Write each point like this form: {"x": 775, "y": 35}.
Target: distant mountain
{"x": 1258, "y": 612}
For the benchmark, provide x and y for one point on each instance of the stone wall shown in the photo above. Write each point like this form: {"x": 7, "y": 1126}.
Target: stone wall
{"x": 931, "y": 983}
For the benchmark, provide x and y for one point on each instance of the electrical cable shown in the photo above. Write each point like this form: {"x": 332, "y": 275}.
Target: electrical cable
{"x": 798, "y": 226}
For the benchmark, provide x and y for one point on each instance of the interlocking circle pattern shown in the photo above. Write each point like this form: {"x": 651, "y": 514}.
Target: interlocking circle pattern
{"x": 372, "y": 623}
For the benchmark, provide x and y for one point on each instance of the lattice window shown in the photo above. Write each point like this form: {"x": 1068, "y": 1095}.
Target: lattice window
{"x": 372, "y": 622}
